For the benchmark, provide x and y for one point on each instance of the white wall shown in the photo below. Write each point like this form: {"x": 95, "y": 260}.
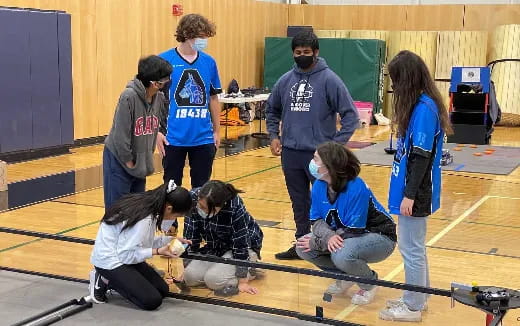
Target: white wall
{"x": 408, "y": 2}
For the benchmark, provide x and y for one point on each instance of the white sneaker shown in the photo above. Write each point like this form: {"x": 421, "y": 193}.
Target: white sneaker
{"x": 339, "y": 287}
{"x": 381, "y": 119}
{"x": 400, "y": 313}
{"x": 363, "y": 297}
{"x": 396, "y": 302}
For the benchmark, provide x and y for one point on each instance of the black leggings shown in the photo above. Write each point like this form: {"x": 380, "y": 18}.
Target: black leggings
{"x": 138, "y": 283}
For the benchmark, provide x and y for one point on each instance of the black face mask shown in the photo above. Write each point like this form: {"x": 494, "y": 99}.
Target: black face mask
{"x": 304, "y": 61}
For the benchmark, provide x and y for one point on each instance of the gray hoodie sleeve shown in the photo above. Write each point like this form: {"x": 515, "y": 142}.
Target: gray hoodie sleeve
{"x": 123, "y": 129}
{"x": 164, "y": 110}
{"x": 321, "y": 234}
{"x": 341, "y": 102}
{"x": 273, "y": 112}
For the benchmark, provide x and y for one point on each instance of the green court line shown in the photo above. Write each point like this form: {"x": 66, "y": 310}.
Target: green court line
{"x": 97, "y": 221}
{"x": 254, "y": 173}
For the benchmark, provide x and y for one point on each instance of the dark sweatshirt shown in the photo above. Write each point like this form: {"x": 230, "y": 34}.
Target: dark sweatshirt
{"x": 307, "y": 104}
{"x": 134, "y": 129}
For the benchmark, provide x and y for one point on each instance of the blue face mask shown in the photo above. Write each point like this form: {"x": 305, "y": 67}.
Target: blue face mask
{"x": 313, "y": 169}
{"x": 200, "y": 44}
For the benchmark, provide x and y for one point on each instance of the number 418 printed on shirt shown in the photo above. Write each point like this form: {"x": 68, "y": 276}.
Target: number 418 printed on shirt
{"x": 191, "y": 113}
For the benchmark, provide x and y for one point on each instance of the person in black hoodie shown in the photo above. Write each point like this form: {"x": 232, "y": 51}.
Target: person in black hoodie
{"x": 129, "y": 147}
{"x": 306, "y": 100}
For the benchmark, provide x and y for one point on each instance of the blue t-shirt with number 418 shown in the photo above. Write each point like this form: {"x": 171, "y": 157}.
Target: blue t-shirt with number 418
{"x": 189, "y": 117}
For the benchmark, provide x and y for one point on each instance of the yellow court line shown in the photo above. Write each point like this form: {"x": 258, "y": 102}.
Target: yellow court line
{"x": 345, "y": 312}
{"x": 504, "y": 197}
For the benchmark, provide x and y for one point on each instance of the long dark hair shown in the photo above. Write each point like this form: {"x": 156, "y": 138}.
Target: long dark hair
{"x": 342, "y": 164}
{"x": 410, "y": 78}
{"x": 134, "y": 207}
{"x": 217, "y": 194}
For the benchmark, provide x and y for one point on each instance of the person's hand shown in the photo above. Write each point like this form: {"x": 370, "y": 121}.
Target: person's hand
{"x": 335, "y": 243}
{"x": 276, "y": 147}
{"x": 407, "y": 206}
{"x": 130, "y": 164}
{"x": 304, "y": 243}
{"x": 185, "y": 241}
{"x": 243, "y": 286}
{"x": 160, "y": 143}
{"x": 165, "y": 251}
{"x": 216, "y": 139}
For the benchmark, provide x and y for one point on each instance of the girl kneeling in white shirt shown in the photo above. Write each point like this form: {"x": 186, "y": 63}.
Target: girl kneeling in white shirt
{"x": 126, "y": 238}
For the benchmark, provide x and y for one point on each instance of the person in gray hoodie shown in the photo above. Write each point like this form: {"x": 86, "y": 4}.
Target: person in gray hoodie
{"x": 305, "y": 102}
{"x": 129, "y": 147}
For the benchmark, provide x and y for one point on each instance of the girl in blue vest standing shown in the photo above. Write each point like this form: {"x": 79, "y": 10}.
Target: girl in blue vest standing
{"x": 415, "y": 184}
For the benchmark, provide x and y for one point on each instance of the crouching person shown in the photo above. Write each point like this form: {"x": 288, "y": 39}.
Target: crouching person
{"x": 350, "y": 227}
{"x": 222, "y": 221}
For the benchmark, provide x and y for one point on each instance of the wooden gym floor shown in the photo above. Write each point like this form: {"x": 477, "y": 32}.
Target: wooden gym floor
{"x": 474, "y": 237}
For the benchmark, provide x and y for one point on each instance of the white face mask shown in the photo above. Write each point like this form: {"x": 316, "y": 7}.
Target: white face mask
{"x": 202, "y": 213}
{"x": 166, "y": 225}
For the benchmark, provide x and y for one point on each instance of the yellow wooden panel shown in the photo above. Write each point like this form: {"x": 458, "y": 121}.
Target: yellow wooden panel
{"x": 458, "y": 49}
{"x": 118, "y": 52}
{"x": 444, "y": 89}
{"x": 329, "y": 17}
{"x": 380, "y": 18}
{"x": 423, "y": 44}
{"x": 158, "y": 27}
{"x": 506, "y": 75}
{"x": 325, "y": 33}
{"x": 296, "y": 15}
{"x": 434, "y": 17}
{"x": 487, "y": 17}
{"x": 370, "y": 34}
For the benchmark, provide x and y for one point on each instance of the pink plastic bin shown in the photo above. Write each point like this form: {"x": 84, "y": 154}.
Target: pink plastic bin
{"x": 365, "y": 110}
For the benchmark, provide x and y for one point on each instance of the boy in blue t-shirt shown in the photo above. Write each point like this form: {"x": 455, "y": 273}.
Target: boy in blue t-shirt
{"x": 193, "y": 121}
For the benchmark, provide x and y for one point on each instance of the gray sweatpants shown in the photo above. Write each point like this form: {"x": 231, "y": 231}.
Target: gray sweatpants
{"x": 214, "y": 275}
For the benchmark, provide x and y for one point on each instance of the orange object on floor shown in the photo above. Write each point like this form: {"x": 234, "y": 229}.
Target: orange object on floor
{"x": 477, "y": 154}
{"x": 461, "y": 145}
{"x": 488, "y": 152}
{"x": 233, "y": 118}
{"x": 473, "y": 146}
{"x": 458, "y": 149}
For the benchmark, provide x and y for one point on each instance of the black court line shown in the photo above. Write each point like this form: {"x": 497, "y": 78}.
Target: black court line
{"x": 79, "y": 204}
{"x": 475, "y": 252}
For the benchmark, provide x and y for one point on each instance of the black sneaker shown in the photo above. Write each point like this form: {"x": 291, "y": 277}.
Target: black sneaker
{"x": 97, "y": 287}
{"x": 288, "y": 255}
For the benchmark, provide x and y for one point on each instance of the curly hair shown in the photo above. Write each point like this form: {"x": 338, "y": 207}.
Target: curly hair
{"x": 192, "y": 26}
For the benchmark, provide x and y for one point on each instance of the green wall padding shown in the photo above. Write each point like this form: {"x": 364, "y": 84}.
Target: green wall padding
{"x": 359, "y": 63}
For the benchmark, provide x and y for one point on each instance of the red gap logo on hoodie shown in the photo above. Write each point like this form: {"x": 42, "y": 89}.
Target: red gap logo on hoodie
{"x": 142, "y": 129}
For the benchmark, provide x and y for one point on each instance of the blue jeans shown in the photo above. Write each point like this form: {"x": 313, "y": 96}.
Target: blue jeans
{"x": 116, "y": 181}
{"x": 412, "y": 236}
{"x": 354, "y": 257}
